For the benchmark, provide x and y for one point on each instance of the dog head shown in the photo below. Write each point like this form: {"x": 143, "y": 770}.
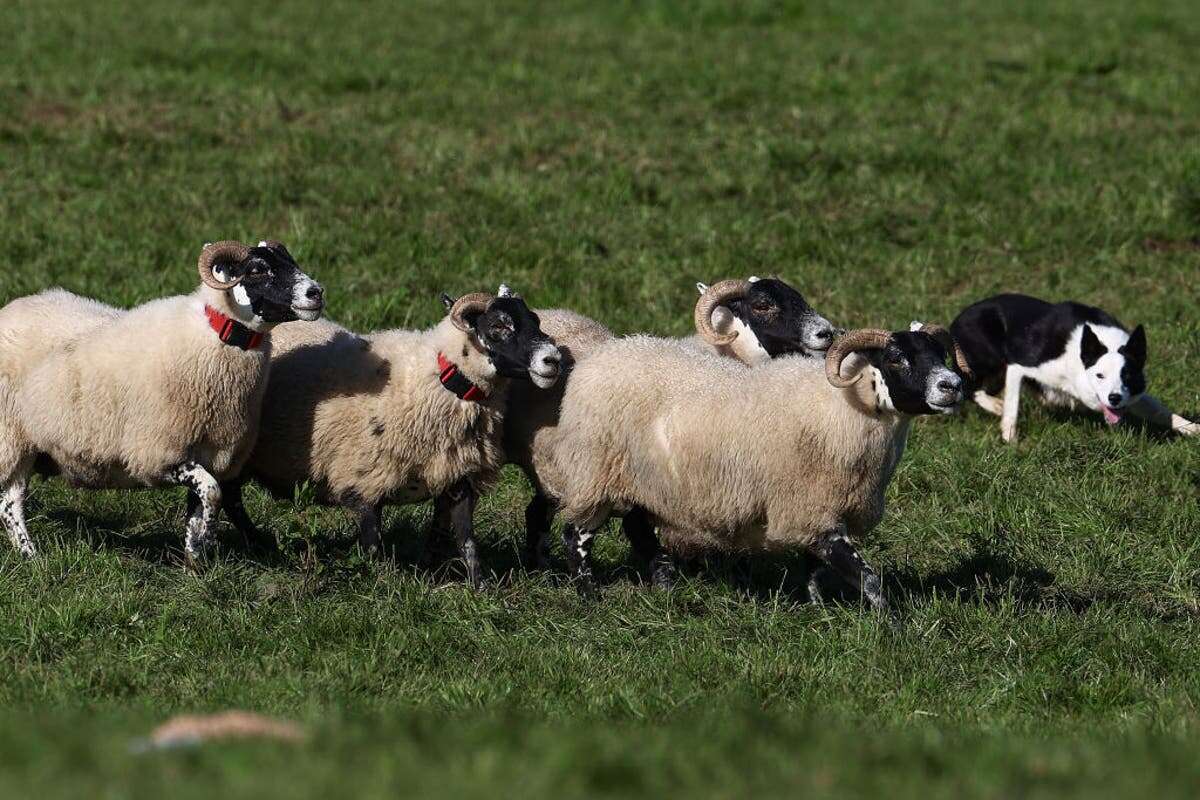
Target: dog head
{"x": 1114, "y": 364}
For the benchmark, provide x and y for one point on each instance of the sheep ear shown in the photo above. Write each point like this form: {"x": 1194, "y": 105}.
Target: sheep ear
{"x": 701, "y": 287}
{"x": 915, "y": 325}
{"x": 447, "y": 301}
{"x": 755, "y": 279}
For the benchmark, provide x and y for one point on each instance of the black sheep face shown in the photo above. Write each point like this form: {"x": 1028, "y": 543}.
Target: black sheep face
{"x": 273, "y": 286}
{"x": 916, "y": 379}
{"x": 782, "y": 320}
{"x": 511, "y": 334}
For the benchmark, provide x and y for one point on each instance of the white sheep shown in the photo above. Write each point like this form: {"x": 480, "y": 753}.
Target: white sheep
{"x": 398, "y": 416}
{"x": 167, "y": 393}
{"x": 748, "y": 321}
{"x": 723, "y": 457}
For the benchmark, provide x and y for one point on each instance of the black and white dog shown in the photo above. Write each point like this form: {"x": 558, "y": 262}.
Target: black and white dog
{"x": 1076, "y": 355}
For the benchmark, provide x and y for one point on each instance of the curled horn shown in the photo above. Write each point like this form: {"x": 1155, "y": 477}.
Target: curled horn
{"x": 942, "y": 335}
{"x": 717, "y": 294}
{"x": 216, "y": 253}
{"x": 476, "y": 303}
{"x": 847, "y": 343}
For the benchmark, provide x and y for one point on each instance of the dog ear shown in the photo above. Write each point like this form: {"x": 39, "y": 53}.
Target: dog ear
{"x": 1091, "y": 349}
{"x": 1135, "y": 348}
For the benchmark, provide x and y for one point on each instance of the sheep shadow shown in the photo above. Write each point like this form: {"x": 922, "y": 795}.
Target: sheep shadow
{"x": 160, "y": 544}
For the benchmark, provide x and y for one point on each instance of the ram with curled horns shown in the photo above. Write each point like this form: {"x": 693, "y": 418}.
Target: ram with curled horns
{"x": 747, "y": 321}
{"x": 167, "y": 393}
{"x": 793, "y": 453}
{"x": 398, "y": 416}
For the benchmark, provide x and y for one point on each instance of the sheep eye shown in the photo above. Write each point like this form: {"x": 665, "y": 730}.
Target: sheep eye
{"x": 1099, "y": 377}
{"x": 761, "y": 307}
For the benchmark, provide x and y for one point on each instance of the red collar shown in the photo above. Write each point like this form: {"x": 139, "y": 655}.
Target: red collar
{"x": 232, "y": 332}
{"x": 458, "y": 383}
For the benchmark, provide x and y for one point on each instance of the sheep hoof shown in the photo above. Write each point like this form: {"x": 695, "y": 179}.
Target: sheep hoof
{"x": 194, "y": 563}
{"x": 536, "y": 558}
{"x": 662, "y": 572}
{"x": 586, "y": 587}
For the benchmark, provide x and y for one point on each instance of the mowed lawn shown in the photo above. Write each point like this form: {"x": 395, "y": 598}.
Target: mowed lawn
{"x": 895, "y": 161}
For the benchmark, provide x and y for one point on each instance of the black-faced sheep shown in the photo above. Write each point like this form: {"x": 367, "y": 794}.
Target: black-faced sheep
{"x": 398, "y": 416}
{"x": 748, "y": 321}
{"x": 166, "y": 393}
{"x": 790, "y": 453}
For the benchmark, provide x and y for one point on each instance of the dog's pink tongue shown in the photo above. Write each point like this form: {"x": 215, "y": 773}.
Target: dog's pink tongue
{"x": 1111, "y": 416}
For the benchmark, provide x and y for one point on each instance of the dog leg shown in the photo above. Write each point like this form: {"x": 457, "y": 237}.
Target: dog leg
{"x": 1152, "y": 410}
{"x": 1012, "y": 402}
{"x": 989, "y": 403}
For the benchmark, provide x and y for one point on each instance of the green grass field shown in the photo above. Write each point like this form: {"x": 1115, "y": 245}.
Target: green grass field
{"x": 893, "y": 160}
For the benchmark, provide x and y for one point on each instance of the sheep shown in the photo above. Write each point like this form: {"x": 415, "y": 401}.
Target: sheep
{"x": 750, "y": 321}
{"x": 398, "y": 416}
{"x": 167, "y": 393}
{"x": 757, "y": 320}
{"x": 723, "y": 457}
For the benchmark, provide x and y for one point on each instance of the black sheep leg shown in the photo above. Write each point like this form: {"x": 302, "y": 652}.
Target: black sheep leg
{"x": 836, "y": 550}
{"x": 459, "y": 503}
{"x": 640, "y": 533}
{"x": 369, "y": 537}
{"x": 235, "y": 509}
{"x": 578, "y": 544}
{"x": 539, "y": 515}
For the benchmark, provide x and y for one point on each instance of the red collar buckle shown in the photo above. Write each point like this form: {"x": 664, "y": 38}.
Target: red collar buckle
{"x": 232, "y": 332}
{"x": 455, "y": 381}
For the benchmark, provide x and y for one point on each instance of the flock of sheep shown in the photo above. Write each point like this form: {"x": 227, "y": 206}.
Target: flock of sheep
{"x": 768, "y": 429}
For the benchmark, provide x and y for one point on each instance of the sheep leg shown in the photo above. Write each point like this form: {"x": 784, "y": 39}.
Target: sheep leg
{"x": 815, "y": 595}
{"x": 204, "y": 501}
{"x": 235, "y": 509}
{"x": 578, "y": 544}
{"x": 460, "y": 500}
{"x": 539, "y": 515}
{"x": 369, "y": 537}
{"x": 836, "y": 550}
{"x": 12, "y": 508}
{"x": 647, "y": 548}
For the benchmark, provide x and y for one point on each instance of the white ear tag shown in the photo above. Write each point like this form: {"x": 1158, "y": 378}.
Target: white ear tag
{"x": 915, "y": 326}
{"x": 504, "y": 291}
{"x": 755, "y": 279}
{"x": 701, "y": 287}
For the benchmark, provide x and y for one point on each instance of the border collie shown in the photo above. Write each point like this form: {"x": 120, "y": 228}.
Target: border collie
{"x": 1075, "y": 355}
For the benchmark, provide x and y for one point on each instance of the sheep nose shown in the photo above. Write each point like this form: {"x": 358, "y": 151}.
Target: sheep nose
{"x": 948, "y": 385}
{"x": 824, "y": 335}
{"x": 552, "y": 360}
{"x": 315, "y": 292}
{"x": 1114, "y": 399}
